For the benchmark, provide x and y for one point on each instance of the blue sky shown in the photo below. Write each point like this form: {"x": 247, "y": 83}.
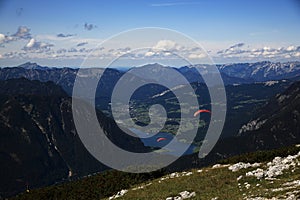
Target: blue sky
{"x": 231, "y": 31}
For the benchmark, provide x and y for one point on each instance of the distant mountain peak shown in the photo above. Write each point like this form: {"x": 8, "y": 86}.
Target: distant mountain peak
{"x": 30, "y": 65}
{"x": 154, "y": 65}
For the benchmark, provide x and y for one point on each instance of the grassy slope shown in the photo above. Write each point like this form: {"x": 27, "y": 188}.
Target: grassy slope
{"x": 208, "y": 184}
{"x": 223, "y": 184}
{"x": 220, "y": 183}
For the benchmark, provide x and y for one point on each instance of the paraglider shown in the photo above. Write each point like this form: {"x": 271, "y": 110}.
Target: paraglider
{"x": 160, "y": 139}
{"x": 201, "y": 111}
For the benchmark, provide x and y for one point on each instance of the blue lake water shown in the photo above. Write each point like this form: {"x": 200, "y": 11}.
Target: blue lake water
{"x": 174, "y": 149}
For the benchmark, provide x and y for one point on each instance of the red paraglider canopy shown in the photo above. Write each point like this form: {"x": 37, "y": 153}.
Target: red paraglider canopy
{"x": 201, "y": 111}
{"x": 160, "y": 139}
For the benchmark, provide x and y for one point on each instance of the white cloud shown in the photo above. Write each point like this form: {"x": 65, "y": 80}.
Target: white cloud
{"x": 5, "y": 39}
{"x": 149, "y": 54}
{"x": 233, "y": 50}
{"x": 197, "y": 56}
{"x": 13, "y": 55}
{"x": 297, "y": 54}
{"x": 167, "y": 53}
{"x": 167, "y": 45}
{"x": 291, "y": 48}
{"x": 23, "y": 32}
{"x": 172, "y": 50}
{"x": 263, "y": 53}
{"x": 30, "y": 43}
{"x": 69, "y": 47}
{"x": 37, "y": 47}
{"x": 2, "y": 37}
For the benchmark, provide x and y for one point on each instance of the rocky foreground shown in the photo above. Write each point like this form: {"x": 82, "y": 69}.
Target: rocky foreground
{"x": 277, "y": 179}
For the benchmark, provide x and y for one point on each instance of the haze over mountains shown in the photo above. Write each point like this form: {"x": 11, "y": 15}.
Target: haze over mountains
{"x": 235, "y": 73}
{"x": 39, "y": 144}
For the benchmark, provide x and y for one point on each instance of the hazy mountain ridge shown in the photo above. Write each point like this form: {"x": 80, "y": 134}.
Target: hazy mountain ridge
{"x": 262, "y": 71}
{"x": 237, "y": 73}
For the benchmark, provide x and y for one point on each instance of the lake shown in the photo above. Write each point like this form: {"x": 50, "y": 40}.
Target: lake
{"x": 174, "y": 149}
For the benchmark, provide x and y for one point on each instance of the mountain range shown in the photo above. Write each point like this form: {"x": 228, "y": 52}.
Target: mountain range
{"x": 237, "y": 73}
{"x": 39, "y": 144}
{"x": 262, "y": 71}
